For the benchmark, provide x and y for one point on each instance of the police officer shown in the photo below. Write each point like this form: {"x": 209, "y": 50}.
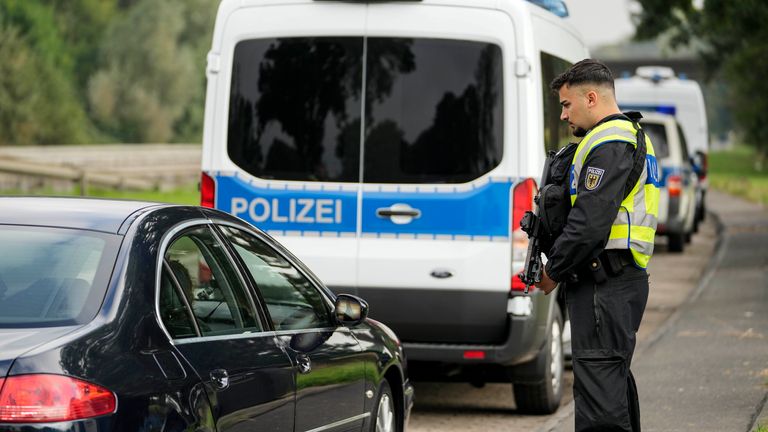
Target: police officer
{"x": 603, "y": 251}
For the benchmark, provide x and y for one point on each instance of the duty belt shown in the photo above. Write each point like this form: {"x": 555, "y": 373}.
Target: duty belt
{"x": 608, "y": 264}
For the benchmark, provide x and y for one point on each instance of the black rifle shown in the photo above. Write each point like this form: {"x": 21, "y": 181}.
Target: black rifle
{"x": 531, "y": 225}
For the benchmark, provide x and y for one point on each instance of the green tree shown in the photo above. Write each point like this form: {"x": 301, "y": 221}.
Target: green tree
{"x": 37, "y": 103}
{"x": 151, "y": 83}
{"x": 40, "y": 101}
{"x": 734, "y": 41}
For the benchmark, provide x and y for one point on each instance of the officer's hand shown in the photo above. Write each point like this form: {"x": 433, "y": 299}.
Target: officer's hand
{"x": 546, "y": 284}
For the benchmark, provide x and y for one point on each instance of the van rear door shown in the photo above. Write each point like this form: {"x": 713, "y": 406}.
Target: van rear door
{"x": 434, "y": 259}
{"x": 292, "y": 128}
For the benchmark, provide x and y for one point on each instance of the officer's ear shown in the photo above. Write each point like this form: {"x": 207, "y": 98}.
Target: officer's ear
{"x": 592, "y": 98}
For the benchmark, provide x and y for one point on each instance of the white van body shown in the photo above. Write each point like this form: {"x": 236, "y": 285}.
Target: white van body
{"x": 657, "y": 89}
{"x": 435, "y": 258}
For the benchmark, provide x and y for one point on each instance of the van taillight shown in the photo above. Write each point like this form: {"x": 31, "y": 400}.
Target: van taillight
{"x": 704, "y": 166}
{"x": 522, "y": 196}
{"x": 52, "y": 398}
{"x": 517, "y": 283}
{"x": 522, "y": 201}
{"x": 207, "y": 191}
{"x": 674, "y": 185}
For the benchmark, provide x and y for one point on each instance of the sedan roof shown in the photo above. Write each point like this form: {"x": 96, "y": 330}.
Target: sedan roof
{"x": 79, "y": 213}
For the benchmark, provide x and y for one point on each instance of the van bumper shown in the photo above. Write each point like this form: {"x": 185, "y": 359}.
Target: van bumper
{"x": 525, "y": 337}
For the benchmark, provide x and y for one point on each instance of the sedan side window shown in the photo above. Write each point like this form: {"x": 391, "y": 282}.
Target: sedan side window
{"x": 293, "y": 302}
{"x": 173, "y": 310}
{"x": 210, "y": 284}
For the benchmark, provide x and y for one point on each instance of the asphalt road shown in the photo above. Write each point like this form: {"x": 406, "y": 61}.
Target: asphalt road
{"x": 462, "y": 407}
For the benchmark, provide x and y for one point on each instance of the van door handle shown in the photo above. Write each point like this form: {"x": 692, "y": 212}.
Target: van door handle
{"x": 389, "y": 212}
{"x": 303, "y": 364}
{"x": 399, "y": 213}
{"x": 220, "y": 378}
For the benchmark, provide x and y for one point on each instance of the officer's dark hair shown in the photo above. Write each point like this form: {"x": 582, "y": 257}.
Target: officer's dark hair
{"x": 587, "y": 71}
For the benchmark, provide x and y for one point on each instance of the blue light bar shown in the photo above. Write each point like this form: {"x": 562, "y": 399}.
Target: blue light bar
{"x": 662, "y": 109}
{"x": 557, "y": 7}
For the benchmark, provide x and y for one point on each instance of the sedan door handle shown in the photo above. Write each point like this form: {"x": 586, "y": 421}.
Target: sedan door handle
{"x": 220, "y": 378}
{"x": 303, "y": 364}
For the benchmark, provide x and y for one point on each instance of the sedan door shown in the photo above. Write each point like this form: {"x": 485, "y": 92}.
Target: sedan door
{"x": 330, "y": 374}
{"x": 207, "y": 310}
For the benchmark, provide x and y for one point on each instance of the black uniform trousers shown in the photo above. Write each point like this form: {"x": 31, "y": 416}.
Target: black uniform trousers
{"x": 604, "y": 322}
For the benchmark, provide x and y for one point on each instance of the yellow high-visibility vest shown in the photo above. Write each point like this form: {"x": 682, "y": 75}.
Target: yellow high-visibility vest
{"x": 635, "y": 225}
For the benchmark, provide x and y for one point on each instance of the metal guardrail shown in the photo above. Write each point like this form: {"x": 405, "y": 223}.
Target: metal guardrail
{"x": 118, "y": 166}
{"x": 82, "y": 177}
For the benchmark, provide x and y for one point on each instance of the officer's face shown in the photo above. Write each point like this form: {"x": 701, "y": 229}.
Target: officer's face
{"x": 576, "y": 103}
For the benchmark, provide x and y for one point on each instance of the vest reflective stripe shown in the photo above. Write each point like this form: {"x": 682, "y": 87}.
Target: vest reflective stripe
{"x": 635, "y": 225}
{"x": 640, "y": 233}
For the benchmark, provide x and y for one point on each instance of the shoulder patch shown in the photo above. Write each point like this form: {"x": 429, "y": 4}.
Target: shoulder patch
{"x": 594, "y": 175}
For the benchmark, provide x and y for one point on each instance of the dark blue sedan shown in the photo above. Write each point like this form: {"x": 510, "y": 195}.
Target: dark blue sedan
{"x": 131, "y": 316}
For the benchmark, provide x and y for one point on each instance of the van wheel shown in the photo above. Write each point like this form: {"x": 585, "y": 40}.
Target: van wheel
{"x": 544, "y": 398}
{"x": 676, "y": 242}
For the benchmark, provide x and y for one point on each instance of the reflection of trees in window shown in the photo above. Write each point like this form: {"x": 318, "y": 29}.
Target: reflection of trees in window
{"x": 301, "y": 82}
{"x": 295, "y": 104}
{"x": 289, "y": 100}
{"x": 463, "y": 140}
{"x": 385, "y": 62}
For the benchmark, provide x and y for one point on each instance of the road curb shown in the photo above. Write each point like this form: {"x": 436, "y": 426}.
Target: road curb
{"x": 761, "y": 415}
{"x": 566, "y": 412}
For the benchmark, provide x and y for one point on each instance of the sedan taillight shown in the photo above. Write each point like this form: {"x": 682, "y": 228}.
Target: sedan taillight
{"x": 52, "y": 398}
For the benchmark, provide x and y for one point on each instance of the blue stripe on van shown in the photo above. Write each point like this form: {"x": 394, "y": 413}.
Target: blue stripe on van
{"x": 482, "y": 211}
{"x": 662, "y": 109}
{"x": 669, "y": 171}
{"x": 288, "y": 210}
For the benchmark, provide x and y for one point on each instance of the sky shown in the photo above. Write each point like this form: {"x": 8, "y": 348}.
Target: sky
{"x": 601, "y": 22}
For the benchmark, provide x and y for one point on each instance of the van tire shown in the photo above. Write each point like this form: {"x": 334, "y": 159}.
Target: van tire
{"x": 544, "y": 397}
{"x": 676, "y": 242}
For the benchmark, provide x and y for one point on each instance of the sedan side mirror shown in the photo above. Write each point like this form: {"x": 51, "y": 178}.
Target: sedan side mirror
{"x": 350, "y": 310}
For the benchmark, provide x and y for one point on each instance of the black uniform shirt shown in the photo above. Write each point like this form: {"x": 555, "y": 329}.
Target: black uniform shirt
{"x": 589, "y": 222}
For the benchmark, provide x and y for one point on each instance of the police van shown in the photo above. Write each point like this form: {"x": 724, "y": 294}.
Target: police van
{"x": 394, "y": 146}
{"x": 658, "y": 89}
{"x": 678, "y": 182}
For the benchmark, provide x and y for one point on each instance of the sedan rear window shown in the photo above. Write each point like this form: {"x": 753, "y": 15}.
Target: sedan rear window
{"x": 53, "y": 277}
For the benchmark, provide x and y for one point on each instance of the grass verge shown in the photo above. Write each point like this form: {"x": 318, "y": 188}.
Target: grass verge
{"x": 183, "y": 195}
{"x": 736, "y": 172}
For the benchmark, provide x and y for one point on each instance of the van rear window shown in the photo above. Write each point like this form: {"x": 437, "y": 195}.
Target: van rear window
{"x": 433, "y": 109}
{"x": 658, "y": 135}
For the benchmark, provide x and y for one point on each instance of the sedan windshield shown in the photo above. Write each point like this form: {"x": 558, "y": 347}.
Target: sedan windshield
{"x": 53, "y": 277}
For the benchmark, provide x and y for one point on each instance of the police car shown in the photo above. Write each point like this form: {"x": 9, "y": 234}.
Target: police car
{"x": 658, "y": 89}
{"x": 394, "y": 147}
{"x": 678, "y": 183}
